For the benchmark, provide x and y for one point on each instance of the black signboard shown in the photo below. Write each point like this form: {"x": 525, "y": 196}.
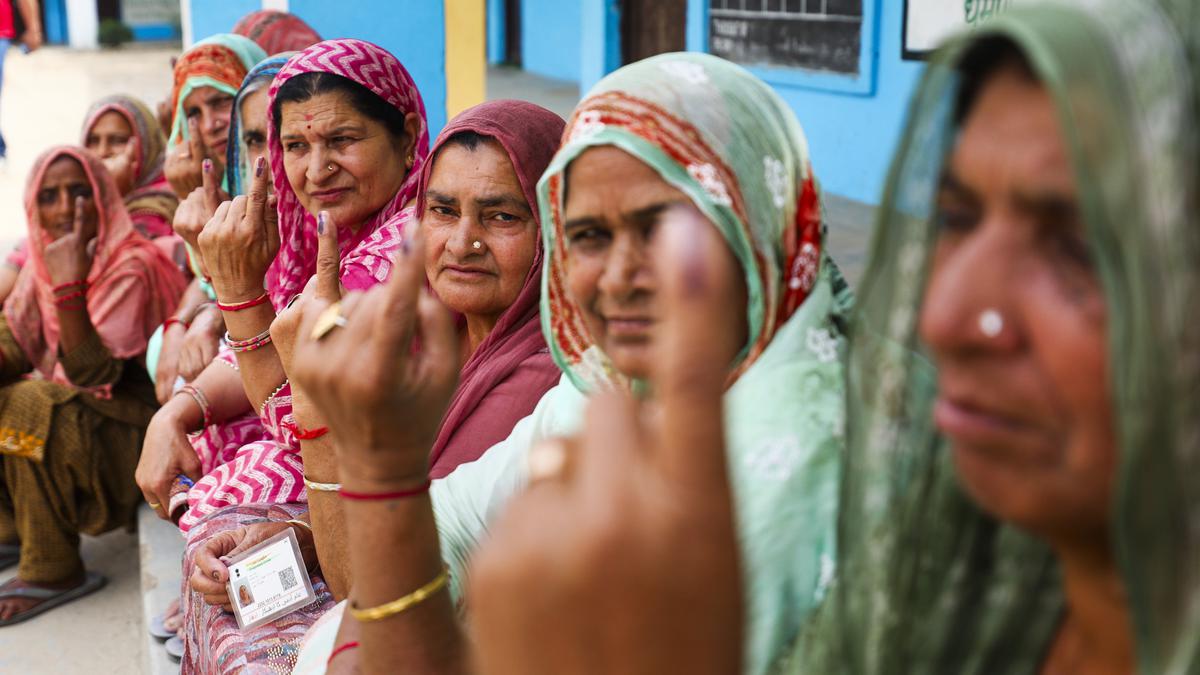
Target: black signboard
{"x": 821, "y": 35}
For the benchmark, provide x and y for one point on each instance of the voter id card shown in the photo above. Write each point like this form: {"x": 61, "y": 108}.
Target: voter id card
{"x": 269, "y": 581}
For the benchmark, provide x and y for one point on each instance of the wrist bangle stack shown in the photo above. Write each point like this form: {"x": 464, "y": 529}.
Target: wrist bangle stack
{"x": 401, "y": 604}
{"x": 201, "y": 401}
{"x": 239, "y": 306}
{"x": 242, "y": 346}
{"x": 322, "y": 487}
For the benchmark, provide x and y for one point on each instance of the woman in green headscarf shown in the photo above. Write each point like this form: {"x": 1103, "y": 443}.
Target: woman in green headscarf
{"x": 207, "y": 78}
{"x": 1032, "y": 505}
{"x": 687, "y": 129}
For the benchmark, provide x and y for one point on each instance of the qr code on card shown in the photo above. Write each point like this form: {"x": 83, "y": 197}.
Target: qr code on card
{"x": 287, "y": 578}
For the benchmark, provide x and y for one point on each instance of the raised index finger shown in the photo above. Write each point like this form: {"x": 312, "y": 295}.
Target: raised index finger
{"x": 77, "y": 222}
{"x": 696, "y": 342}
{"x": 328, "y": 261}
{"x": 257, "y": 196}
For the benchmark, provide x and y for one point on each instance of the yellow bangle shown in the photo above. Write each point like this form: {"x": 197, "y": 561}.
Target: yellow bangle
{"x": 301, "y": 523}
{"x": 399, "y": 605}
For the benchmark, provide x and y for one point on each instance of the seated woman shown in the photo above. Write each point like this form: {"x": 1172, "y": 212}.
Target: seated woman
{"x": 190, "y": 339}
{"x": 122, "y": 132}
{"x": 207, "y": 78}
{"x": 277, "y": 32}
{"x": 675, "y": 129}
{"x": 483, "y": 262}
{"x": 366, "y": 191}
{"x": 76, "y": 325}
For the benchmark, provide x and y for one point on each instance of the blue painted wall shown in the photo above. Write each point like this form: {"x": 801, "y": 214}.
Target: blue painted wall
{"x": 551, "y": 34}
{"x": 852, "y": 123}
{"x": 210, "y": 18}
{"x": 851, "y": 134}
{"x": 384, "y": 22}
{"x": 495, "y": 31}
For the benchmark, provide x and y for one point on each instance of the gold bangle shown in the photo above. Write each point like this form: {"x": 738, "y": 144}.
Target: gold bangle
{"x": 321, "y": 487}
{"x": 301, "y": 523}
{"x": 401, "y": 604}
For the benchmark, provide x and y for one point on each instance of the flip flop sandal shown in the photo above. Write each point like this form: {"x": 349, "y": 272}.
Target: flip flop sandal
{"x": 10, "y": 554}
{"x": 158, "y": 624}
{"x": 174, "y": 648}
{"x": 50, "y": 598}
{"x": 158, "y": 628}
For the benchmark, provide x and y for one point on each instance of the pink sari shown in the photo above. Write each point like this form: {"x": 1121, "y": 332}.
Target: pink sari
{"x": 256, "y": 459}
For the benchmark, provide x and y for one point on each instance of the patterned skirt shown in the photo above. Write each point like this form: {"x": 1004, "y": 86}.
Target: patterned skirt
{"x": 213, "y": 644}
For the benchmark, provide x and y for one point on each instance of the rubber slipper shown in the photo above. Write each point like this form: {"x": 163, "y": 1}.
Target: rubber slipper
{"x": 174, "y": 648}
{"x": 10, "y": 554}
{"x": 158, "y": 624}
{"x": 50, "y": 598}
{"x": 158, "y": 628}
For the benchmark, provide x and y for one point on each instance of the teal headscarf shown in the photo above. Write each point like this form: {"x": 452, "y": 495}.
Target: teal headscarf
{"x": 927, "y": 581}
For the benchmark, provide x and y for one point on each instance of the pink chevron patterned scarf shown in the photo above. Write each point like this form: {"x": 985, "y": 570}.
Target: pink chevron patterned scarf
{"x": 364, "y": 252}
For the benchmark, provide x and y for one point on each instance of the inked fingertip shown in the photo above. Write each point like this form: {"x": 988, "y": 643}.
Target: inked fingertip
{"x": 258, "y": 165}
{"x": 207, "y": 164}
{"x": 321, "y": 223}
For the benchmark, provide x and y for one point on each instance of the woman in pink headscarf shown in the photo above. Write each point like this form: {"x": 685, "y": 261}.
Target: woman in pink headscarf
{"x": 75, "y": 397}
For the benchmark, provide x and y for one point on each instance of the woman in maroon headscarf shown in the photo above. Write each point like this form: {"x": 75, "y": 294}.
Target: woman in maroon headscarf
{"x": 483, "y": 259}
{"x": 477, "y": 202}
{"x": 277, "y": 32}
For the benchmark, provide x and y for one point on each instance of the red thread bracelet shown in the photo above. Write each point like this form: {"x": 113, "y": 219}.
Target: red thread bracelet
{"x": 344, "y": 647}
{"x": 381, "y": 496}
{"x": 60, "y": 299}
{"x": 172, "y": 321}
{"x": 237, "y": 307}
{"x": 304, "y": 434}
{"x": 70, "y": 284}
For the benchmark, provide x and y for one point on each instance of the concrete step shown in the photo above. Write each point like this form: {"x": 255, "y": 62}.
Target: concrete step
{"x": 160, "y": 547}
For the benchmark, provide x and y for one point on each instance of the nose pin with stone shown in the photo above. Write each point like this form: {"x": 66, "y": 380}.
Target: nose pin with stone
{"x": 477, "y": 245}
{"x": 991, "y": 323}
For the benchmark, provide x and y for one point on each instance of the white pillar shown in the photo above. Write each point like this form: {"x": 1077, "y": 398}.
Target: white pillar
{"x": 82, "y": 24}
{"x": 185, "y": 20}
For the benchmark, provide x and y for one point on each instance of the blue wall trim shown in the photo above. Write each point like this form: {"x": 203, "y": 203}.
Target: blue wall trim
{"x": 151, "y": 32}
{"x": 55, "y": 16}
{"x": 496, "y": 24}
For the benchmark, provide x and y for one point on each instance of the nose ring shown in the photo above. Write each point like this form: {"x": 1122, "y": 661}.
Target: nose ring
{"x": 330, "y": 168}
{"x": 991, "y": 323}
{"x": 477, "y": 245}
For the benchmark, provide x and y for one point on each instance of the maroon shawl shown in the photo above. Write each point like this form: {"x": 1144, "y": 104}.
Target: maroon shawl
{"x": 511, "y": 369}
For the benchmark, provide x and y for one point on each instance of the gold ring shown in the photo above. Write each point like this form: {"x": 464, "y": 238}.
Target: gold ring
{"x": 328, "y": 320}
{"x": 547, "y": 460}
{"x": 154, "y": 505}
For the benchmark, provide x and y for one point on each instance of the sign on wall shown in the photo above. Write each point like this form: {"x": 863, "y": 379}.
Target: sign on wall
{"x": 821, "y": 35}
{"x": 928, "y": 22}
